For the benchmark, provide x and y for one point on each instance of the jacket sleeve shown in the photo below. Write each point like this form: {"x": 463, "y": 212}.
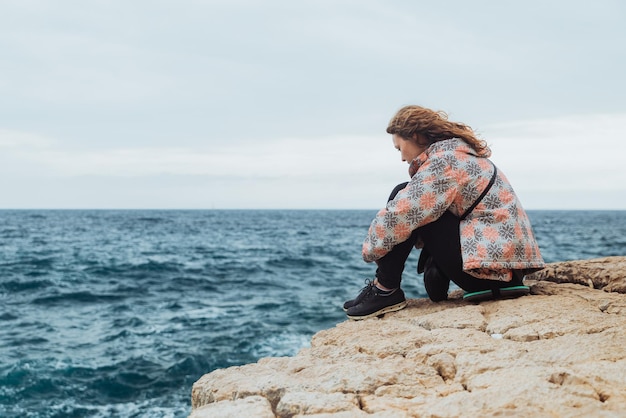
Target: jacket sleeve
{"x": 428, "y": 195}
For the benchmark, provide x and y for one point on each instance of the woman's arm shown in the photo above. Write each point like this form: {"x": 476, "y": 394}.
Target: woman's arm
{"x": 428, "y": 195}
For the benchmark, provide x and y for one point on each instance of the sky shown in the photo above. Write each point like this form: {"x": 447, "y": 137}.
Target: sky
{"x": 282, "y": 104}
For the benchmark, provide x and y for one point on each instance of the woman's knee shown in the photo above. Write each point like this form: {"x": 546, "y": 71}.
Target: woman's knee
{"x": 435, "y": 282}
{"x": 395, "y": 191}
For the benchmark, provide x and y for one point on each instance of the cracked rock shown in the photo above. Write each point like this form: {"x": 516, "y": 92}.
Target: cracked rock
{"x": 560, "y": 351}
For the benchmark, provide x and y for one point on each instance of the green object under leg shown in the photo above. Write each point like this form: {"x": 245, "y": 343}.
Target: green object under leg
{"x": 501, "y": 293}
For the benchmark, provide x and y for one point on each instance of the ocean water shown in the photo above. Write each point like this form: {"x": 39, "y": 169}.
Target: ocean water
{"x": 117, "y": 313}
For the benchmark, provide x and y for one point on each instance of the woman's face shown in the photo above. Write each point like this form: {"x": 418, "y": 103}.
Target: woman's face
{"x": 409, "y": 149}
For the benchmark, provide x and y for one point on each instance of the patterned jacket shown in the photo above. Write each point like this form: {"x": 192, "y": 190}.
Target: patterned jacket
{"x": 495, "y": 237}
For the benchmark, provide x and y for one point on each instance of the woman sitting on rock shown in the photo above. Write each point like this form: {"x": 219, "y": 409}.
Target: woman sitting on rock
{"x": 458, "y": 208}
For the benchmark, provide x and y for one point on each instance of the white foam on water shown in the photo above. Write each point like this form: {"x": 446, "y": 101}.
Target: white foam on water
{"x": 144, "y": 409}
{"x": 280, "y": 345}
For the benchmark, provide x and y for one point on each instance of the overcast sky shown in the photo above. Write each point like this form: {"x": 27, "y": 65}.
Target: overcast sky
{"x": 284, "y": 104}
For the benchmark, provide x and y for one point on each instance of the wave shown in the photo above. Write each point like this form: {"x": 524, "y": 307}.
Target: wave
{"x": 114, "y": 387}
{"x": 117, "y": 313}
{"x": 8, "y": 317}
{"x": 22, "y": 285}
{"x": 85, "y": 297}
{"x": 132, "y": 270}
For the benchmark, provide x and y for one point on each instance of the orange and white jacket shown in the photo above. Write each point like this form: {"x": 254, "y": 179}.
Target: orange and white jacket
{"x": 495, "y": 237}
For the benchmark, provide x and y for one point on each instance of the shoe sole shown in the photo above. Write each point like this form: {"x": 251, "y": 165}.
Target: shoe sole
{"x": 380, "y": 312}
{"x": 505, "y": 293}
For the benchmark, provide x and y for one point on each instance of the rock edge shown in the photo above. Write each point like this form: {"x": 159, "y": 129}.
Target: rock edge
{"x": 559, "y": 352}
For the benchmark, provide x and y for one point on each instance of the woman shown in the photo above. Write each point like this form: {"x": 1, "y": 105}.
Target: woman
{"x": 458, "y": 208}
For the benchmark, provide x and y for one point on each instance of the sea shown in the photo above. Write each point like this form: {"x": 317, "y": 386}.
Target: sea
{"x": 116, "y": 313}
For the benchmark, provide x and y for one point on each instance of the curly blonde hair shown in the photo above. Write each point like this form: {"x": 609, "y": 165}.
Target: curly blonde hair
{"x": 434, "y": 126}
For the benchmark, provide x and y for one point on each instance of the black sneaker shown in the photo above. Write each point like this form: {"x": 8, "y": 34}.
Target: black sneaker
{"x": 350, "y": 303}
{"x": 373, "y": 303}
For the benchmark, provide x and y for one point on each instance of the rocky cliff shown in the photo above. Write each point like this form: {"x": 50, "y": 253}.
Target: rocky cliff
{"x": 559, "y": 352}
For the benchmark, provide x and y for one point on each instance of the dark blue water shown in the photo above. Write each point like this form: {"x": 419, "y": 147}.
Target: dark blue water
{"x": 117, "y": 313}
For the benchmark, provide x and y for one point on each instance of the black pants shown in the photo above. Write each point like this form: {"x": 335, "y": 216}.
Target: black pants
{"x": 444, "y": 263}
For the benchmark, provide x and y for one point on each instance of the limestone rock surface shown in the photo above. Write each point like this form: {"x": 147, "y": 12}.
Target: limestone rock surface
{"x": 608, "y": 273}
{"x": 558, "y": 352}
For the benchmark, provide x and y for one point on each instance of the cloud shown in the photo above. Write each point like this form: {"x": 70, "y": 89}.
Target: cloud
{"x": 285, "y": 157}
{"x": 574, "y": 152}
{"x": 326, "y": 172}
{"x": 16, "y": 140}
{"x": 211, "y": 96}
{"x": 574, "y": 161}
